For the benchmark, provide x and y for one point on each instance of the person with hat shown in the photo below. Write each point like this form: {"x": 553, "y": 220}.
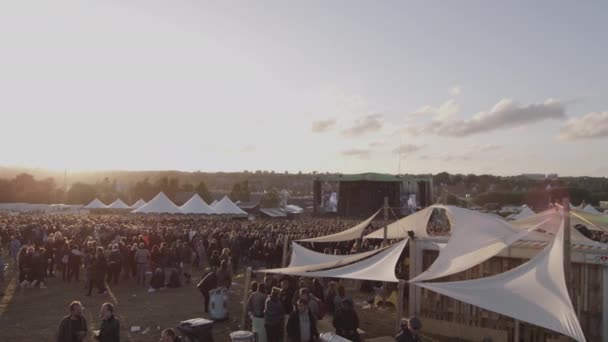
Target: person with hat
{"x": 410, "y": 329}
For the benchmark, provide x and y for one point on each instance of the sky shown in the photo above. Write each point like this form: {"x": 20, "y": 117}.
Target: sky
{"x": 501, "y": 87}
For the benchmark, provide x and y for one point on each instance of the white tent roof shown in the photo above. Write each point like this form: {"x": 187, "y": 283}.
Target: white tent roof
{"x": 474, "y": 238}
{"x": 140, "y": 202}
{"x": 118, "y": 204}
{"x": 347, "y": 235}
{"x": 301, "y": 256}
{"x": 213, "y": 203}
{"x": 590, "y": 209}
{"x": 293, "y": 209}
{"x": 416, "y": 222}
{"x": 226, "y": 207}
{"x": 96, "y": 204}
{"x": 196, "y": 205}
{"x": 378, "y": 267}
{"x": 516, "y": 293}
{"x": 526, "y": 212}
{"x": 160, "y": 204}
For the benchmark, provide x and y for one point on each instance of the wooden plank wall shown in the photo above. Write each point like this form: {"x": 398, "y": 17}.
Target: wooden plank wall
{"x": 587, "y": 285}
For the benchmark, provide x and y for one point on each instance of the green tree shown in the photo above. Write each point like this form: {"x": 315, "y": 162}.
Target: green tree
{"x": 203, "y": 191}
{"x": 271, "y": 199}
{"x": 80, "y": 193}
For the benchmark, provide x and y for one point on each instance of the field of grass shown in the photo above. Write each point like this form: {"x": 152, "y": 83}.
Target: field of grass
{"x": 34, "y": 314}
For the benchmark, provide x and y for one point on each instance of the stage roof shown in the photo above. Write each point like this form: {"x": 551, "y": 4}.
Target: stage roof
{"x": 370, "y": 176}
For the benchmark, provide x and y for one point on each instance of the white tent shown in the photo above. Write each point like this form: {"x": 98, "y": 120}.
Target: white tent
{"x": 118, "y": 204}
{"x": 377, "y": 267}
{"x": 196, "y": 205}
{"x": 347, "y": 235}
{"x": 293, "y": 209}
{"x": 525, "y": 212}
{"x": 534, "y": 292}
{"x": 474, "y": 238}
{"x": 591, "y": 210}
{"x": 416, "y": 222}
{"x": 138, "y": 204}
{"x": 301, "y": 256}
{"x": 213, "y": 203}
{"x": 96, "y": 204}
{"x": 160, "y": 204}
{"x": 226, "y": 207}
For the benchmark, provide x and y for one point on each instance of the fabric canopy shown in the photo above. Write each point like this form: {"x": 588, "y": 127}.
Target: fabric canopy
{"x": 196, "y": 205}
{"x": 213, "y": 203}
{"x": 377, "y": 267}
{"x": 526, "y": 212}
{"x": 591, "y": 210}
{"x": 475, "y": 237}
{"x": 301, "y": 256}
{"x": 416, "y": 222}
{"x": 138, "y": 204}
{"x": 226, "y": 207}
{"x": 534, "y": 292}
{"x": 160, "y": 204}
{"x": 293, "y": 209}
{"x": 96, "y": 204}
{"x": 347, "y": 235}
{"x": 593, "y": 222}
{"x": 118, "y": 204}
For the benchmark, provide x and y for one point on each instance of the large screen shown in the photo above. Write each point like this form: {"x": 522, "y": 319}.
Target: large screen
{"x": 329, "y": 197}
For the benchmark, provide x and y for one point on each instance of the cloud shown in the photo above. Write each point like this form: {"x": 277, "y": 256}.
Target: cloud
{"x": 442, "y": 112}
{"x": 364, "y": 125}
{"x": 485, "y": 148}
{"x": 247, "y": 149}
{"x": 357, "y": 152}
{"x": 505, "y": 114}
{"x": 455, "y": 90}
{"x": 321, "y": 126}
{"x": 592, "y": 125}
{"x": 406, "y": 149}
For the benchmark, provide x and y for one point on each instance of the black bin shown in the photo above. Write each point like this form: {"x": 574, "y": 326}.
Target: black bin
{"x": 196, "y": 329}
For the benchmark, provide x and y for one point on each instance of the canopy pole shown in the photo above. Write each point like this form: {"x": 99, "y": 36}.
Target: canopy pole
{"x": 400, "y": 293}
{"x": 285, "y": 242}
{"x": 385, "y": 219}
{"x": 245, "y": 292}
{"x": 605, "y": 304}
{"x": 516, "y": 332}
{"x": 567, "y": 257}
{"x": 413, "y": 273}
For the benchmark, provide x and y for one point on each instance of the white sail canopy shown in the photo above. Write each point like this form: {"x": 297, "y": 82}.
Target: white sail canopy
{"x": 301, "y": 256}
{"x": 347, "y": 235}
{"x": 534, "y": 292}
{"x": 226, "y": 207}
{"x": 474, "y": 238}
{"x": 416, "y": 222}
{"x": 160, "y": 204}
{"x": 196, "y": 205}
{"x": 96, "y": 204}
{"x": 118, "y": 204}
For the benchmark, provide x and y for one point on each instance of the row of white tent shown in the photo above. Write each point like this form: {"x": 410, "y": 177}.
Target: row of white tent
{"x": 474, "y": 238}
{"x": 161, "y": 204}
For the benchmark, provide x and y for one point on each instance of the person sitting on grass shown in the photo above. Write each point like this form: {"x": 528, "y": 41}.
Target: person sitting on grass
{"x": 158, "y": 280}
{"x": 174, "y": 281}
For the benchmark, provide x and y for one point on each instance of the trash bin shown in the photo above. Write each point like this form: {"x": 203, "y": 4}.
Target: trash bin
{"x": 218, "y": 304}
{"x": 197, "y": 329}
{"x": 241, "y": 336}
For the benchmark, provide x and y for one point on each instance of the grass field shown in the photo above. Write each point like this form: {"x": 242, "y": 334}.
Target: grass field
{"x": 34, "y": 314}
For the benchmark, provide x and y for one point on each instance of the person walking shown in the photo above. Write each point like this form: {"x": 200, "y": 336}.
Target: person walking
{"x": 110, "y": 326}
{"x": 274, "y": 316}
{"x": 302, "y": 324}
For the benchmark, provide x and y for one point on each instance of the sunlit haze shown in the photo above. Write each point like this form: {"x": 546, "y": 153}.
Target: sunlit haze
{"x": 502, "y": 87}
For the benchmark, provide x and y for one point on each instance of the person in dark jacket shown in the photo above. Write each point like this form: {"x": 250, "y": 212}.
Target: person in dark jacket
{"x": 98, "y": 272}
{"x": 346, "y": 321}
{"x": 286, "y": 296}
{"x": 73, "y": 328}
{"x": 110, "y": 327}
{"x": 274, "y": 316}
{"x": 409, "y": 330}
{"x": 224, "y": 278}
{"x": 114, "y": 265}
{"x": 302, "y": 324}
{"x": 158, "y": 280}
{"x": 208, "y": 283}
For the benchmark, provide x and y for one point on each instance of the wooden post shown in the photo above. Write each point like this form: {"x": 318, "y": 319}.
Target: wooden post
{"x": 412, "y": 288}
{"x": 567, "y": 257}
{"x": 400, "y": 292}
{"x": 245, "y": 292}
{"x": 605, "y": 303}
{"x": 285, "y": 243}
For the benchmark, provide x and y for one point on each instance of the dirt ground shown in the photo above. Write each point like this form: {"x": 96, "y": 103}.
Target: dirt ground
{"x": 34, "y": 314}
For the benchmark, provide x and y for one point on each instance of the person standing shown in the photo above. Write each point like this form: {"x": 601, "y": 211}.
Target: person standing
{"x": 302, "y": 324}
{"x": 110, "y": 327}
{"x": 98, "y": 273}
{"x": 346, "y": 321}
{"x": 142, "y": 258}
{"x": 208, "y": 283}
{"x": 410, "y": 329}
{"x": 274, "y": 316}
{"x": 73, "y": 327}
